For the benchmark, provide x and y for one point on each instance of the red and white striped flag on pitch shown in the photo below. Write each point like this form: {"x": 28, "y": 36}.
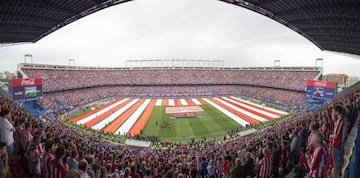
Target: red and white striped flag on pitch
{"x": 183, "y": 109}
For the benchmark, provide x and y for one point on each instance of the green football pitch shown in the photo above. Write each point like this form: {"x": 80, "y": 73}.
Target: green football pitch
{"x": 212, "y": 124}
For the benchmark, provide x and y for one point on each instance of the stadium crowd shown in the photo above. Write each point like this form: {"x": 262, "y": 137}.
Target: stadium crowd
{"x": 312, "y": 143}
{"x": 79, "y": 97}
{"x": 56, "y": 79}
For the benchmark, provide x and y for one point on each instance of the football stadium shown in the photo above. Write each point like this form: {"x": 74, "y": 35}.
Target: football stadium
{"x": 179, "y": 118}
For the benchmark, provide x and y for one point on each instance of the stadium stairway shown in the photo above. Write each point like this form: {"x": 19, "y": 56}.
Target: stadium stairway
{"x": 33, "y": 107}
{"x": 57, "y": 102}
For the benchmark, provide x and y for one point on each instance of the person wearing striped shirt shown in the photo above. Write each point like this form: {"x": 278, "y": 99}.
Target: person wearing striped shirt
{"x": 316, "y": 161}
{"x": 57, "y": 167}
{"x": 337, "y": 141}
{"x": 33, "y": 155}
{"x": 313, "y": 130}
{"x": 265, "y": 164}
{"x": 48, "y": 157}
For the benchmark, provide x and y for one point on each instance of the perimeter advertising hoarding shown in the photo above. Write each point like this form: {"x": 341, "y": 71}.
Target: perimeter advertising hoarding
{"x": 321, "y": 90}
{"x": 26, "y": 89}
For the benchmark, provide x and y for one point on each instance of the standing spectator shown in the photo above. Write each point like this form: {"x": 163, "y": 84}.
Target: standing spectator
{"x": 304, "y": 132}
{"x": 220, "y": 167}
{"x": 203, "y": 167}
{"x": 71, "y": 161}
{"x": 48, "y": 157}
{"x": 313, "y": 131}
{"x": 3, "y": 160}
{"x": 74, "y": 173}
{"x": 295, "y": 147}
{"x": 103, "y": 172}
{"x": 317, "y": 160}
{"x": 265, "y": 164}
{"x": 96, "y": 168}
{"x": 134, "y": 174}
{"x": 239, "y": 170}
{"x": 211, "y": 169}
{"x": 126, "y": 175}
{"x": 33, "y": 156}
{"x": 276, "y": 160}
{"x": 249, "y": 165}
{"x": 302, "y": 166}
{"x": 285, "y": 152}
{"x": 193, "y": 172}
{"x": 57, "y": 168}
{"x": 169, "y": 174}
{"x": 83, "y": 166}
{"x": 7, "y": 131}
{"x": 28, "y": 136}
{"x": 338, "y": 141}
{"x": 90, "y": 161}
{"x": 227, "y": 166}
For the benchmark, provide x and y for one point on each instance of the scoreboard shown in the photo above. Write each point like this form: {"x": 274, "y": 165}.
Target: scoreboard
{"x": 26, "y": 89}
{"x": 321, "y": 90}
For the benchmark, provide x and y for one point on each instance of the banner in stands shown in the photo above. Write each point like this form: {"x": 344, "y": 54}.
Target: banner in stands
{"x": 322, "y": 91}
{"x": 26, "y": 89}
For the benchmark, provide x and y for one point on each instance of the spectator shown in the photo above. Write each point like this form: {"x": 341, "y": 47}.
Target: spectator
{"x": 203, "y": 167}
{"x": 104, "y": 173}
{"x": 169, "y": 174}
{"x": 134, "y": 174}
{"x": 227, "y": 166}
{"x": 4, "y": 165}
{"x": 338, "y": 141}
{"x": 302, "y": 167}
{"x": 83, "y": 167}
{"x": 90, "y": 161}
{"x": 73, "y": 173}
{"x": 316, "y": 161}
{"x": 97, "y": 169}
{"x": 295, "y": 147}
{"x": 34, "y": 156}
{"x": 211, "y": 169}
{"x": 57, "y": 168}
{"x": 249, "y": 165}
{"x": 127, "y": 173}
{"x": 48, "y": 157}
{"x": 7, "y": 131}
{"x": 239, "y": 170}
{"x": 265, "y": 164}
{"x": 72, "y": 161}
{"x": 193, "y": 173}
{"x": 276, "y": 160}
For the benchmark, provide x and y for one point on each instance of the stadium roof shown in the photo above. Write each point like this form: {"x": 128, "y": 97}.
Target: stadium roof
{"x": 332, "y": 25}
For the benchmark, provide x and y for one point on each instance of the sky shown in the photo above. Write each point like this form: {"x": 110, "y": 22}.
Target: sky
{"x": 176, "y": 29}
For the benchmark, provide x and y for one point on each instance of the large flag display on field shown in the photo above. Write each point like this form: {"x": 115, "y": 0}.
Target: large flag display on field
{"x": 183, "y": 109}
